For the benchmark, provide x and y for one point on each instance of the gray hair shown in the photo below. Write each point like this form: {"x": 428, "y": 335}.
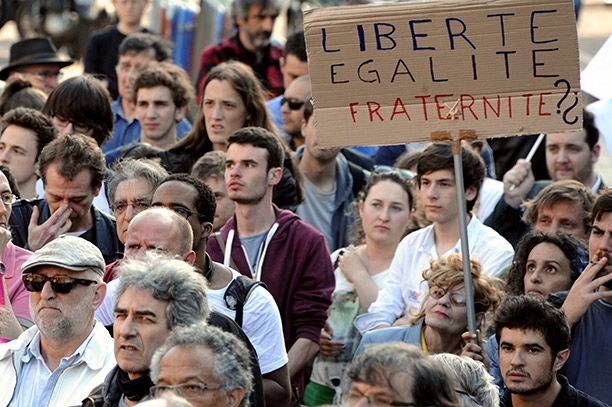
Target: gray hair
{"x": 232, "y": 362}
{"x": 378, "y": 365}
{"x": 240, "y": 8}
{"x": 125, "y": 170}
{"x": 167, "y": 279}
{"x": 473, "y": 379}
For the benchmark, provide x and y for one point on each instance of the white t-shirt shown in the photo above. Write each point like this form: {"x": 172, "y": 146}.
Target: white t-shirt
{"x": 261, "y": 322}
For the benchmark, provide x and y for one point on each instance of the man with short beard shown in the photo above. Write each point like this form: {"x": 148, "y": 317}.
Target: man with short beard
{"x": 589, "y": 310}
{"x": 533, "y": 339}
{"x": 254, "y": 20}
{"x": 58, "y": 361}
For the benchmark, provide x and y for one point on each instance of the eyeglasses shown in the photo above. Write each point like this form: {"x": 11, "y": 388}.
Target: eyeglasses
{"x": 8, "y": 198}
{"x": 294, "y": 104}
{"x": 437, "y": 292}
{"x": 61, "y": 284}
{"x": 63, "y": 123}
{"x": 354, "y": 397}
{"x": 44, "y": 74}
{"x": 138, "y": 206}
{"x": 186, "y": 390}
{"x": 184, "y": 212}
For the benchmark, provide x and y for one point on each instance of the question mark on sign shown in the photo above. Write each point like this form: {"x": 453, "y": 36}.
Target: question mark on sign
{"x": 560, "y": 102}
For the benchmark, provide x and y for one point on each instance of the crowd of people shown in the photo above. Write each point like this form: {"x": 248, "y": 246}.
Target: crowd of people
{"x": 174, "y": 242}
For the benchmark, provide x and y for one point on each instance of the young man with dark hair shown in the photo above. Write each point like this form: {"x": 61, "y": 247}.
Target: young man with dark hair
{"x": 275, "y": 246}
{"x": 101, "y": 54}
{"x": 404, "y": 291}
{"x": 588, "y": 307}
{"x": 72, "y": 169}
{"x": 251, "y": 45}
{"x": 25, "y": 132}
{"x": 135, "y": 51}
{"x": 534, "y": 339}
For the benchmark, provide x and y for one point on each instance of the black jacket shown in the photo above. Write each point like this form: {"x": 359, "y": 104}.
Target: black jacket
{"x": 105, "y": 229}
{"x": 569, "y": 396}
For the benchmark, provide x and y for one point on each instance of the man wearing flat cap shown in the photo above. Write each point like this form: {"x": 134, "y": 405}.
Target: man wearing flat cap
{"x": 58, "y": 361}
{"x": 35, "y": 60}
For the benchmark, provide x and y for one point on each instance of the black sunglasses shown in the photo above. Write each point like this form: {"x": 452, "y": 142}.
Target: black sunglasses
{"x": 60, "y": 284}
{"x": 294, "y": 104}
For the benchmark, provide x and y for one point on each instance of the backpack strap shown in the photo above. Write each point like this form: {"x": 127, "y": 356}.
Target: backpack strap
{"x": 238, "y": 293}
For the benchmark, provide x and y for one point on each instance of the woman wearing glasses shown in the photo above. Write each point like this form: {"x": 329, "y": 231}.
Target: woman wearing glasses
{"x": 438, "y": 326}
{"x": 233, "y": 98}
{"x": 384, "y": 209}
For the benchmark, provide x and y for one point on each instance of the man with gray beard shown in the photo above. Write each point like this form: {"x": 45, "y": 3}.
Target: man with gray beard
{"x": 58, "y": 361}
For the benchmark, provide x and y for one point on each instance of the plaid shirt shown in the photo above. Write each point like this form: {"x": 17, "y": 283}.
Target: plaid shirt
{"x": 267, "y": 69}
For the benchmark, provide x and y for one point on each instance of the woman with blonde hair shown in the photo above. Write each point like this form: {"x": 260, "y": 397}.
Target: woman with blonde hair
{"x": 442, "y": 318}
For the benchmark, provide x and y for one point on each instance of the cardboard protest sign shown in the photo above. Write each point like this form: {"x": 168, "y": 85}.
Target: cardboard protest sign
{"x": 399, "y": 73}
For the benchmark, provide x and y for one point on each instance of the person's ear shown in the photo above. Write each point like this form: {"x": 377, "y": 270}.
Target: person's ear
{"x": 180, "y": 114}
{"x": 471, "y": 193}
{"x": 190, "y": 257}
{"x": 282, "y": 64}
{"x": 560, "y": 359}
{"x": 595, "y": 153}
{"x": 235, "y": 396}
{"x": 99, "y": 294}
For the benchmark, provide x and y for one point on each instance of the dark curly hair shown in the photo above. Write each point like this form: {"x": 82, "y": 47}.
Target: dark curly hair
{"x": 571, "y": 247}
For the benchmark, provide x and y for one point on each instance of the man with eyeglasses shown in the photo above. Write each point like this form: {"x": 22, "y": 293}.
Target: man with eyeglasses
{"x": 135, "y": 51}
{"x": 292, "y": 109}
{"x": 205, "y": 365}
{"x": 35, "y": 60}
{"x": 158, "y": 291}
{"x": 397, "y": 375}
{"x": 331, "y": 182}
{"x": 195, "y": 201}
{"x": 58, "y": 361}
{"x": 130, "y": 187}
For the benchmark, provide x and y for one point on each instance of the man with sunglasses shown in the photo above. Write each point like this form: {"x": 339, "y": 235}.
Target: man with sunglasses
{"x": 292, "y": 109}
{"x": 58, "y": 361}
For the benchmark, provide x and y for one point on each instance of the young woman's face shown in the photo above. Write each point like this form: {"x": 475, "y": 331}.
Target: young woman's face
{"x": 385, "y": 212}
{"x": 224, "y": 112}
{"x": 547, "y": 270}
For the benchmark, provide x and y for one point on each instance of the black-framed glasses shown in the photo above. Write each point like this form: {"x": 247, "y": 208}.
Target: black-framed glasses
{"x": 293, "y": 103}
{"x": 138, "y": 205}
{"x": 437, "y": 292}
{"x": 61, "y": 284}
{"x": 45, "y": 74}
{"x": 184, "y": 212}
{"x": 186, "y": 390}
{"x": 8, "y": 198}
{"x": 62, "y": 122}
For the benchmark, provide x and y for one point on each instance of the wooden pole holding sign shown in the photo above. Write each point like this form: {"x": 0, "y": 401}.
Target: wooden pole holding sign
{"x": 425, "y": 70}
